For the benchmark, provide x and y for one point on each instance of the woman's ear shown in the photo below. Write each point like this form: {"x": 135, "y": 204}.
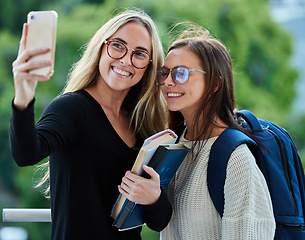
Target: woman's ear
{"x": 219, "y": 84}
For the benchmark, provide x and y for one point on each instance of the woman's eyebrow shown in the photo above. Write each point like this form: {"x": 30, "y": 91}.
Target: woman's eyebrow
{"x": 123, "y": 41}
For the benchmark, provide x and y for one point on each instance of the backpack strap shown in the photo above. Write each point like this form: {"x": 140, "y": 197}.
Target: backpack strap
{"x": 250, "y": 119}
{"x": 220, "y": 153}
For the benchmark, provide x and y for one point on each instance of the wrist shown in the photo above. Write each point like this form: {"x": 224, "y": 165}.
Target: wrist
{"x": 157, "y": 197}
{"x": 21, "y": 105}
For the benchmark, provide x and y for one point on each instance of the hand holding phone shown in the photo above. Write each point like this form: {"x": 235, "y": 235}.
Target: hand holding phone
{"x": 42, "y": 34}
{"x": 35, "y": 60}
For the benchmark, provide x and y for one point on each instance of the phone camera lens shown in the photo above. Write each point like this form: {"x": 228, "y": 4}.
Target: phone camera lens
{"x": 32, "y": 17}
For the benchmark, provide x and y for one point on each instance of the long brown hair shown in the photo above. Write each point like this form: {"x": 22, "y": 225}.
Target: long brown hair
{"x": 218, "y": 99}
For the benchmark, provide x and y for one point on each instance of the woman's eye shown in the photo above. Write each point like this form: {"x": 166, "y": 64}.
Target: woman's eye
{"x": 140, "y": 54}
{"x": 118, "y": 46}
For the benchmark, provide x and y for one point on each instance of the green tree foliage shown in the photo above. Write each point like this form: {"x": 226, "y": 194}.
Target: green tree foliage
{"x": 260, "y": 50}
{"x": 297, "y": 129}
{"x": 12, "y": 13}
{"x": 8, "y": 54}
{"x": 14, "y": 178}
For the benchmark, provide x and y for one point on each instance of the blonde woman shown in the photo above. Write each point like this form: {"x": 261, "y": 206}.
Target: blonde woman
{"x": 93, "y": 131}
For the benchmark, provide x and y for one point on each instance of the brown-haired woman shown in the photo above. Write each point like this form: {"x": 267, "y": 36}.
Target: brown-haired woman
{"x": 197, "y": 82}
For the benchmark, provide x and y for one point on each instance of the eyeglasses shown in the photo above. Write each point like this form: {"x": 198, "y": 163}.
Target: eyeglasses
{"x": 180, "y": 74}
{"x": 116, "y": 50}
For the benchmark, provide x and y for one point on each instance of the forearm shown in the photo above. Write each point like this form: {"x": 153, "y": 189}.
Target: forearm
{"x": 23, "y": 136}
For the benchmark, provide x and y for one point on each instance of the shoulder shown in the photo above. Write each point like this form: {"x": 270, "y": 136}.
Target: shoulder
{"x": 243, "y": 151}
{"x": 242, "y": 159}
{"x": 70, "y": 99}
{"x": 69, "y": 107}
{"x": 69, "y": 102}
{"x": 242, "y": 165}
{"x": 66, "y": 110}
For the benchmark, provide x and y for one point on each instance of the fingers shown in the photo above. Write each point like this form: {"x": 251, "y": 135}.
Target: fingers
{"x": 25, "y": 82}
{"x": 23, "y": 76}
{"x": 150, "y": 171}
{"x": 139, "y": 189}
{"x": 127, "y": 184}
{"x": 135, "y": 178}
{"x": 27, "y": 54}
{"x": 22, "y": 43}
{"x": 22, "y": 66}
{"x": 130, "y": 181}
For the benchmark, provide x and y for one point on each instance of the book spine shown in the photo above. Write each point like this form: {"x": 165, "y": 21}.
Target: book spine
{"x": 125, "y": 213}
{"x": 156, "y": 160}
{"x": 129, "y": 208}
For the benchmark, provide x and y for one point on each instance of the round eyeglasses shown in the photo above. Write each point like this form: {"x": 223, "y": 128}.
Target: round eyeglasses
{"x": 139, "y": 58}
{"x": 180, "y": 74}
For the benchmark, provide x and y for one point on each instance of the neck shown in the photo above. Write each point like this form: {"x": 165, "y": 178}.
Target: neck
{"x": 111, "y": 101}
{"x": 213, "y": 130}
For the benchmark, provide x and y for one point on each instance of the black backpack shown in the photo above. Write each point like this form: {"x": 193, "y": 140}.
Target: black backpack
{"x": 280, "y": 164}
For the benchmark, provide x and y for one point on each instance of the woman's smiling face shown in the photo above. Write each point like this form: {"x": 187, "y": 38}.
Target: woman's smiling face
{"x": 120, "y": 74}
{"x": 184, "y": 98}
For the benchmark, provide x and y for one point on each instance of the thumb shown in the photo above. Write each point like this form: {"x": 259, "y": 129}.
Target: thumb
{"x": 22, "y": 43}
{"x": 151, "y": 172}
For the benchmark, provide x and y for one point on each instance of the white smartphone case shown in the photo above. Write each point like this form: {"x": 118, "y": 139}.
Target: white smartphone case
{"x": 42, "y": 34}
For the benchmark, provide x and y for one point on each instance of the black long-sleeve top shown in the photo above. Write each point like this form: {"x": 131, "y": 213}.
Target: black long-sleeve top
{"x": 87, "y": 162}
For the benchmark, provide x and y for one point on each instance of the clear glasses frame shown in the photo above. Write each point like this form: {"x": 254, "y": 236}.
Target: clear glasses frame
{"x": 184, "y": 72}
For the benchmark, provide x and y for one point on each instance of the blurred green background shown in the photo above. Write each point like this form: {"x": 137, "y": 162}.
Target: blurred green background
{"x": 261, "y": 49}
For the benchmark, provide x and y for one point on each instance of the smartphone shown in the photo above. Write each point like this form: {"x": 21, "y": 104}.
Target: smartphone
{"x": 42, "y": 34}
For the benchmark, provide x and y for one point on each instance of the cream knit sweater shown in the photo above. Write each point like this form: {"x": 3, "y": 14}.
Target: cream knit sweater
{"x": 248, "y": 210}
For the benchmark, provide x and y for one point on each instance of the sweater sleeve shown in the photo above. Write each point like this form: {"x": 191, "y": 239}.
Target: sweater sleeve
{"x": 30, "y": 142}
{"x": 248, "y": 212}
{"x": 157, "y": 215}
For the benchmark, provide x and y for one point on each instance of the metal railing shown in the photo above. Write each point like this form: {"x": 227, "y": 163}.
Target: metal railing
{"x": 26, "y": 215}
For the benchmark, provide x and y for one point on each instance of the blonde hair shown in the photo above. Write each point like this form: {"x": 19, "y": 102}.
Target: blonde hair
{"x": 151, "y": 104}
{"x": 148, "y": 111}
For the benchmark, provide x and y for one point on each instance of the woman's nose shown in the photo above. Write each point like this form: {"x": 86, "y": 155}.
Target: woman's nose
{"x": 169, "y": 81}
{"x": 126, "y": 60}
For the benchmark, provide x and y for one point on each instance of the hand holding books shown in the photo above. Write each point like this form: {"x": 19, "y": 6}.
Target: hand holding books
{"x": 135, "y": 187}
{"x": 163, "y": 158}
